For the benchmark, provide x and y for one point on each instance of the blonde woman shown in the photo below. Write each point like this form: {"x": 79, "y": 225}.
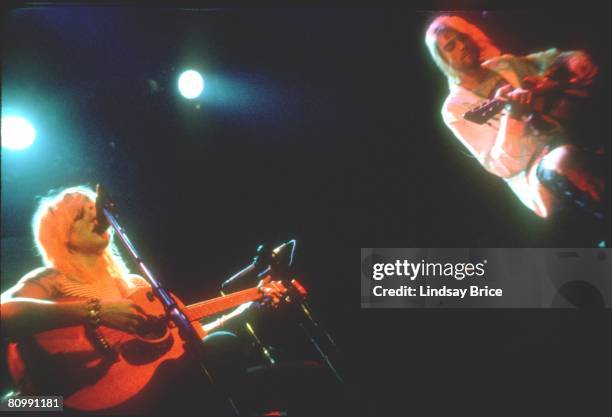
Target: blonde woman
{"x": 84, "y": 281}
{"x": 78, "y": 262}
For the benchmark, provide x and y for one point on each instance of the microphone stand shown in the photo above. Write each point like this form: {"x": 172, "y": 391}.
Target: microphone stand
{"x": 260, "y": 266}
{"x": 311, "y": 327}
{"x": 173, "y": 312}
{"x": 309, "y": 319}
{"x": 271, "y": 263}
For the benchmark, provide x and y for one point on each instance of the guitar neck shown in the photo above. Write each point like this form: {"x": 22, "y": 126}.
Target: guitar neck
{"x": 485, "y": 111}
{"x": 207, "y": 308}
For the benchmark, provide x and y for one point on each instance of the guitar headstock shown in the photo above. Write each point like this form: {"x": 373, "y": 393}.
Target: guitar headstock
{"x": 481, "y": 114}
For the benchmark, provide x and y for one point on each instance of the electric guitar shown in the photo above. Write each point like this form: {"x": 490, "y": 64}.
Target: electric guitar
{"x": 91, "y": 375}
{"x": 555, "y": 94}
{"x": 547, "y": 111}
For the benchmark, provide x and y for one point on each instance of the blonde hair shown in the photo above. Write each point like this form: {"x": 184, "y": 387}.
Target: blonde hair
{"x": 51, "y": 225}
{"x": 486, "y": 48}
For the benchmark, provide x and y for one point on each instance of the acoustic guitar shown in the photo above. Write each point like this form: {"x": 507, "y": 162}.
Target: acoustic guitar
{"x": 91, "y": 375}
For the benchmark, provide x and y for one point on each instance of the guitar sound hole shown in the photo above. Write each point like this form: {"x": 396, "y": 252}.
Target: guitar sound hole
{"x": 153, "y": 328}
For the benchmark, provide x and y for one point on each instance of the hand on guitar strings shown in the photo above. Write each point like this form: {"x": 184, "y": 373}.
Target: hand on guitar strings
{"x": 123, "y": 315}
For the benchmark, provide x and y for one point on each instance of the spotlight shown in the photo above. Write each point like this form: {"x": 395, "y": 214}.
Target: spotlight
{"x": 190, "y": 84}
{"x": 17, "y": 133}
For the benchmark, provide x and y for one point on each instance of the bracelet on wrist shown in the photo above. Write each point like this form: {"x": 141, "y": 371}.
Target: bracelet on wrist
{"x": 94, "y": 316}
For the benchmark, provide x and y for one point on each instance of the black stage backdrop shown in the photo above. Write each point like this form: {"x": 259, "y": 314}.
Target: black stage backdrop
{"x": 319, "y": 124}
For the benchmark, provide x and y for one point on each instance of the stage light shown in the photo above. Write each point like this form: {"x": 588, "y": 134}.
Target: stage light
{"x": 190, "y": 84}
{"x": 17, "y": 133}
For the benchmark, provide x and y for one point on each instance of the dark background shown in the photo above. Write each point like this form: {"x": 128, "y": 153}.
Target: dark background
{"x": 319, "y": 124}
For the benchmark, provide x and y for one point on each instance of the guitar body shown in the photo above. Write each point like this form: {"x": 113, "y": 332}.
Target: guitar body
{"x": 72, "y": 362}
{"x": 69, "y": 362}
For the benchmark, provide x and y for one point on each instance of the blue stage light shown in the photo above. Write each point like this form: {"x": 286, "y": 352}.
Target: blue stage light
{"x": 17, "y": 133}
{"x": 191, "y": 84}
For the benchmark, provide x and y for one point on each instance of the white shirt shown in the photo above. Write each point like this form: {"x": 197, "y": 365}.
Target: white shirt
{"x": 504, "y": 146}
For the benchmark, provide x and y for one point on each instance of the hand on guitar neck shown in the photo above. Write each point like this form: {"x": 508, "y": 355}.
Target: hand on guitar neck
{"x": 273, "y": 291}
{"x": 510, "y": 94}
{"x": 532, "y": 86}
{"x": 531, "y": 97}
{"x": 519, "y": 98}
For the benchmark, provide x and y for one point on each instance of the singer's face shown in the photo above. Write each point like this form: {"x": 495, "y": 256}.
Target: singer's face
{"x": 82, "y": 237}
{"x": 458, "y": 50}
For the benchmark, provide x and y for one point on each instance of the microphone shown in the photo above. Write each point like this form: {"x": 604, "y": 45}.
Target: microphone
{"x": 102, "y": 223}
{"x": 266, "y": 260}
{"x": 263, "y": 257}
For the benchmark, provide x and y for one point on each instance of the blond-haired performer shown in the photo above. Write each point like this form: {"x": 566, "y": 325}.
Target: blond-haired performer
{"x": 542, "y": 167}
{"x": 84, "y": 281}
